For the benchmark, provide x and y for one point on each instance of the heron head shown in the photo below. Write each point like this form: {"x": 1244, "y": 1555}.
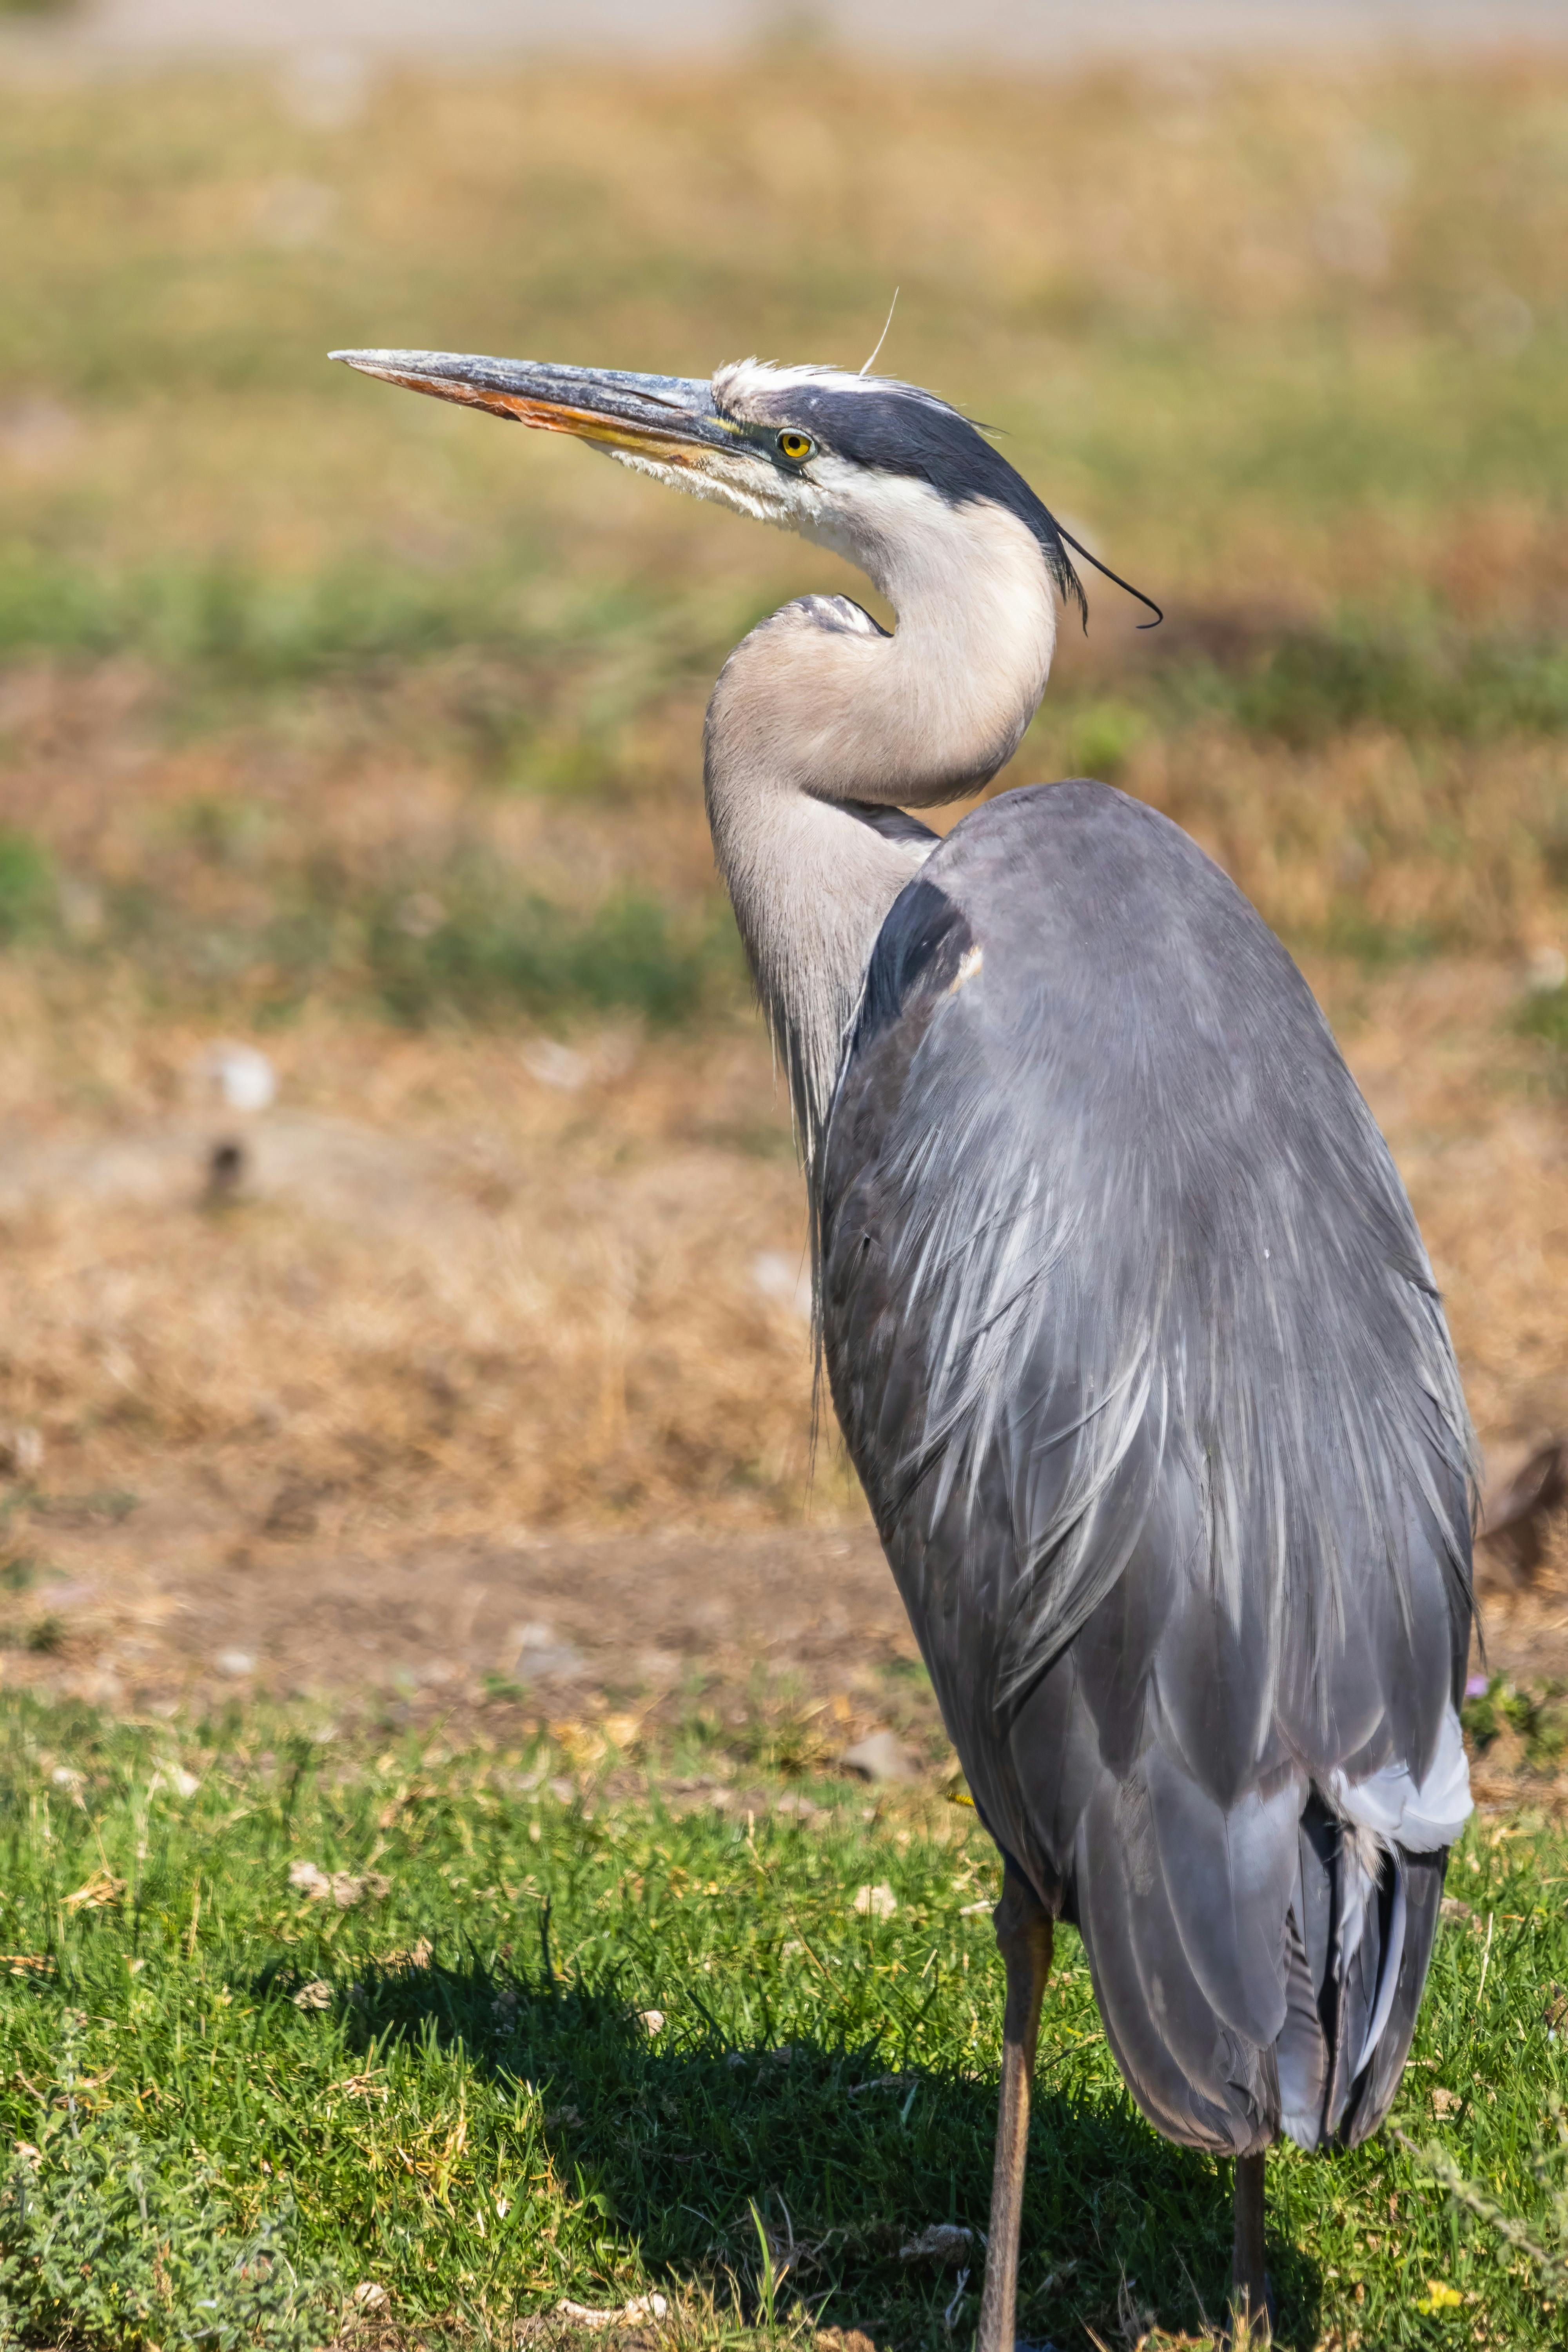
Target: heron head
{"x": 882, "y": 472}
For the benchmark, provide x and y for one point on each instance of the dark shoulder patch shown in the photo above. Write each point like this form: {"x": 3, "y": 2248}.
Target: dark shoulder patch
{"x": 921, "y": 946}
{"x": 892, "y": 823}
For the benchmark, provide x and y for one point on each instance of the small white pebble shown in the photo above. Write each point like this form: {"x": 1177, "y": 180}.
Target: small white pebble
{"x": 782, "y": 1279}
{"x": 555, "y": 1065}
{"x": 641, "y": 2306}
{"x": 241, "y": 1077}
{"x": 22, "y": 1450}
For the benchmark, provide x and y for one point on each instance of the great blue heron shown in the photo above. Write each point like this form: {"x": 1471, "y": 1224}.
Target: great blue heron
{"x": 1128, "y": 1323}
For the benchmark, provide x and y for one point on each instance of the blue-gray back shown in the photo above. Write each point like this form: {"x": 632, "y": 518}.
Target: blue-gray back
{"x": 1139, "y": 1355}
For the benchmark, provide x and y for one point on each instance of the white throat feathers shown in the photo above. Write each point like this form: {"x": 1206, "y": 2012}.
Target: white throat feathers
{"x": 824, "y": 729}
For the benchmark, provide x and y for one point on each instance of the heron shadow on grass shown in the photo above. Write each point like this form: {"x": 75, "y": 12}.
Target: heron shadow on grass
{"x": 843, "y": 2156}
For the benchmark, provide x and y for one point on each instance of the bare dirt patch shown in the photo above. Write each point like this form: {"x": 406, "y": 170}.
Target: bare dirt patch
{"x": 646, "y": 1626}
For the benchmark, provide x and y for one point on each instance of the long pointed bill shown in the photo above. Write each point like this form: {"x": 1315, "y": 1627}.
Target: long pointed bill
{"x": 668, "y": 417}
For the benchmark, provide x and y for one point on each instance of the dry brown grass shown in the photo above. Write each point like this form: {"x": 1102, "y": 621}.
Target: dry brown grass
{"x": 446, "y": 1293}
{"x": 455, "y": 1298}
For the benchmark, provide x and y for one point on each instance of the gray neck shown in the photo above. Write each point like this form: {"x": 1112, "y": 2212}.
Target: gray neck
{"x": 823, "y": 729}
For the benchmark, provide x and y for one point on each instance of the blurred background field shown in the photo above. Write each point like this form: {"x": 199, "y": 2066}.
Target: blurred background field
{"x": 408, "y": 1525}
{"x": 364, "y": 734}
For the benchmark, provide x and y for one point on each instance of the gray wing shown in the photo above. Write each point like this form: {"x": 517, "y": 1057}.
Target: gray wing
{"x": 1139, "y": 1357}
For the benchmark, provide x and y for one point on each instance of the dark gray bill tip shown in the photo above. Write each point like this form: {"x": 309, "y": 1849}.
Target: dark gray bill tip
{"x": 659, "y": 415}
{"x": 441, "y": 367}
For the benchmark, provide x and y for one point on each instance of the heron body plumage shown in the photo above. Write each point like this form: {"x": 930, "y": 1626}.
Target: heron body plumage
{"x": 1124, "y": 1311}
{"x": 1139, "y": 1357}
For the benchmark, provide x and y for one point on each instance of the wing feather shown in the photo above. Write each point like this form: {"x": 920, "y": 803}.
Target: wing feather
{"x": 1139, "y": 1359}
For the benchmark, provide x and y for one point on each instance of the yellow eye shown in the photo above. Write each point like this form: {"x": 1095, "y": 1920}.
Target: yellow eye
{"x": 794, "y": 446}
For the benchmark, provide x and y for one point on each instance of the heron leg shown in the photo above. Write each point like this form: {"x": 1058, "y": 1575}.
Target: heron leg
{"x": 1023, "y": 1937}
{"x": 1249, "y": 2280}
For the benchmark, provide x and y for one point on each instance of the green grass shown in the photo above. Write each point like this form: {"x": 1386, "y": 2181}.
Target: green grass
{"x": 221, "y": 625}
{"x": 239, "y": 628}
{"x": 494, "y": 952}
{"x": 1538, "y": 1717}
{"x": 1310, "y": 685}
{"x": 467, "y": 940}
{"x": 445, "y": 2089}
{"x": 1543, "y": 1016}
{"x": 28, "y": 892}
